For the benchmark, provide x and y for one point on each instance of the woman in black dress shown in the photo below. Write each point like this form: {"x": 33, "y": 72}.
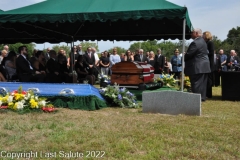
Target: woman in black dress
{"x": 129, "y": 57}
{"x": 151, "y": 58}
{"x": 72, "y": 58}
{"x": 207, "y": 36}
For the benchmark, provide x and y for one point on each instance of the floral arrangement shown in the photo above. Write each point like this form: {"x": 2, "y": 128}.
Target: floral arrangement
{"x": 187, "y": 83}
{"x": 104, "y": 78}
{"x": 20, "y": 100}
{"x": 167, "y": 80}
{"x": 119, "y": 96}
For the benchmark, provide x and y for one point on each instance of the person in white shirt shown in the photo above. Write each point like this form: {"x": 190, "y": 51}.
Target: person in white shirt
{"x": 114, "y": 58}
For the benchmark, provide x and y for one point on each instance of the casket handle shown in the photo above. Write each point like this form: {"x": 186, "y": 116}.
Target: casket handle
{"x": 67, "y": 91}
{"x": 34, "y": 90}
{"x": 3, "y": 91}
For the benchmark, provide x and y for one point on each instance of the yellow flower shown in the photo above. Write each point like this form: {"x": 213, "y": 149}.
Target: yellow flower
{"x": 33, "y": 103}
{"x": 18, "y": 96}
{"x": 15, "y": 106}
{"x": 5, "y": 99}
{"x": 10, "y": 104}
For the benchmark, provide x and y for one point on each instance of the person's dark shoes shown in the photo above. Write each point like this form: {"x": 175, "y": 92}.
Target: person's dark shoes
{"x": 203, "y": 100}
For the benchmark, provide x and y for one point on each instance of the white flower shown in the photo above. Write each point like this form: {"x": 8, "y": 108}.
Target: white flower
{"x": 42, "y": 103}
{"x": 27, "y": 96}
{"x": 104, "y": 89}
{"x": 0, "y": 103}
{"x": 10, "y": 99}
{"x": 19, "y": 105}
{"x": 36, "y": 98}
{"x": 23, "y": 101}
{"x": 114, "y": 96}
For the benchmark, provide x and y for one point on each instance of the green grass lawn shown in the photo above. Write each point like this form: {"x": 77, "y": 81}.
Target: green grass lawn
{"x": 117, "y": 133}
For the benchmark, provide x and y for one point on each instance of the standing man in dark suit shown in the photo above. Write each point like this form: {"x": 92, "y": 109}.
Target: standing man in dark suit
{"x": 25, "y": 71}
{"x": 47, "y": 55}
{"x": 197, "y": 65}
{"x": 232, "y": 60}
{"x": 89, "y": 60}
{"x": 159, "y": 62}
{"x": 141, "y": 57}
{"x": 137, "y": 56}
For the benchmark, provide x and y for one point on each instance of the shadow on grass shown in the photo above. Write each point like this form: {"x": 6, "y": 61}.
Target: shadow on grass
{"x": 215, "y": 98}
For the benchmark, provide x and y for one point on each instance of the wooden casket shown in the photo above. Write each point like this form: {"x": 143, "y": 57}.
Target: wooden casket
{"x": 132, "y": 73}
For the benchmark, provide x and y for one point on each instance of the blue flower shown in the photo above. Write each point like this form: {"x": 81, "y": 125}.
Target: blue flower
{"x": 130, "y": 94}
{"x": 122, "y": 89}
{"x": 161, "y": 76}
{"x": 119, "y": 96}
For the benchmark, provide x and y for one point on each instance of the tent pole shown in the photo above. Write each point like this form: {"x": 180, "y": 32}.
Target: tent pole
{"x": 183, "y": 50}
{"x": 72, "y": 57}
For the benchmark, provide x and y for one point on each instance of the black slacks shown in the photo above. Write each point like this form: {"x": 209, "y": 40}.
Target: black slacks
{"x": 199, "y": 84}
{"x": 216, "y": 78}
{"x": 209, "y": 85}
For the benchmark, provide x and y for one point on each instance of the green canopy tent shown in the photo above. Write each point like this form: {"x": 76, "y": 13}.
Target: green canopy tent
{"x": 57, "y": 21}
{"x": 62, "y": 21}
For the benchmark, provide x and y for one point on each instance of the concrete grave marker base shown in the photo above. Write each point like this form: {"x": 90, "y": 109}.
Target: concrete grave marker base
{"x": 171, "y": 102}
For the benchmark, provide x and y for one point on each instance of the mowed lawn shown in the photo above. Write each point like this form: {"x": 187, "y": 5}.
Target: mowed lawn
{"x": 120, "y": 133}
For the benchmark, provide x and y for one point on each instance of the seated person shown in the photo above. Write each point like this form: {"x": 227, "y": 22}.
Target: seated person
{"x": 41, "y": 59}
{"x": 2, "y": 78}
{"x": 10, "y": 65}
{"x": 24, "y": 68}
{"x": 64, "y": 71}
{"x": 81, "y": 69}
{"x": 53, "y": 68}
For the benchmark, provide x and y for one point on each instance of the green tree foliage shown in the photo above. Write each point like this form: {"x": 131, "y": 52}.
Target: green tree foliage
{"x": 168, "y": 48}
{"x": 233, "y": 38}
{"x": 14, "y": 47}
{"x": 135, "y": 46}
{"x": 85, "y": 45}
{"x": 64, "y": 47}
{"x": 226, "y": 47}
{"x": 217, "y": 43}
{"x": 119, "y": 50}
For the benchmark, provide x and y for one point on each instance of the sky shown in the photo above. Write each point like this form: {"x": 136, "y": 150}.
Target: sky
{"x": 216, "y": 16}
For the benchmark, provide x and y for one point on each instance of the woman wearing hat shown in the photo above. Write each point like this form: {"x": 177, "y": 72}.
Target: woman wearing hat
{"x": 176, "y": 62}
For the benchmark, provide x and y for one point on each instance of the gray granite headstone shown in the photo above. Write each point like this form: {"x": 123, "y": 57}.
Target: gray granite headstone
{"x": 171, "y": 102}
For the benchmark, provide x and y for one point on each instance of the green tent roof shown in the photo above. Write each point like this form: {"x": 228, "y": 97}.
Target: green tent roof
{"x": 64, "y": 20}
